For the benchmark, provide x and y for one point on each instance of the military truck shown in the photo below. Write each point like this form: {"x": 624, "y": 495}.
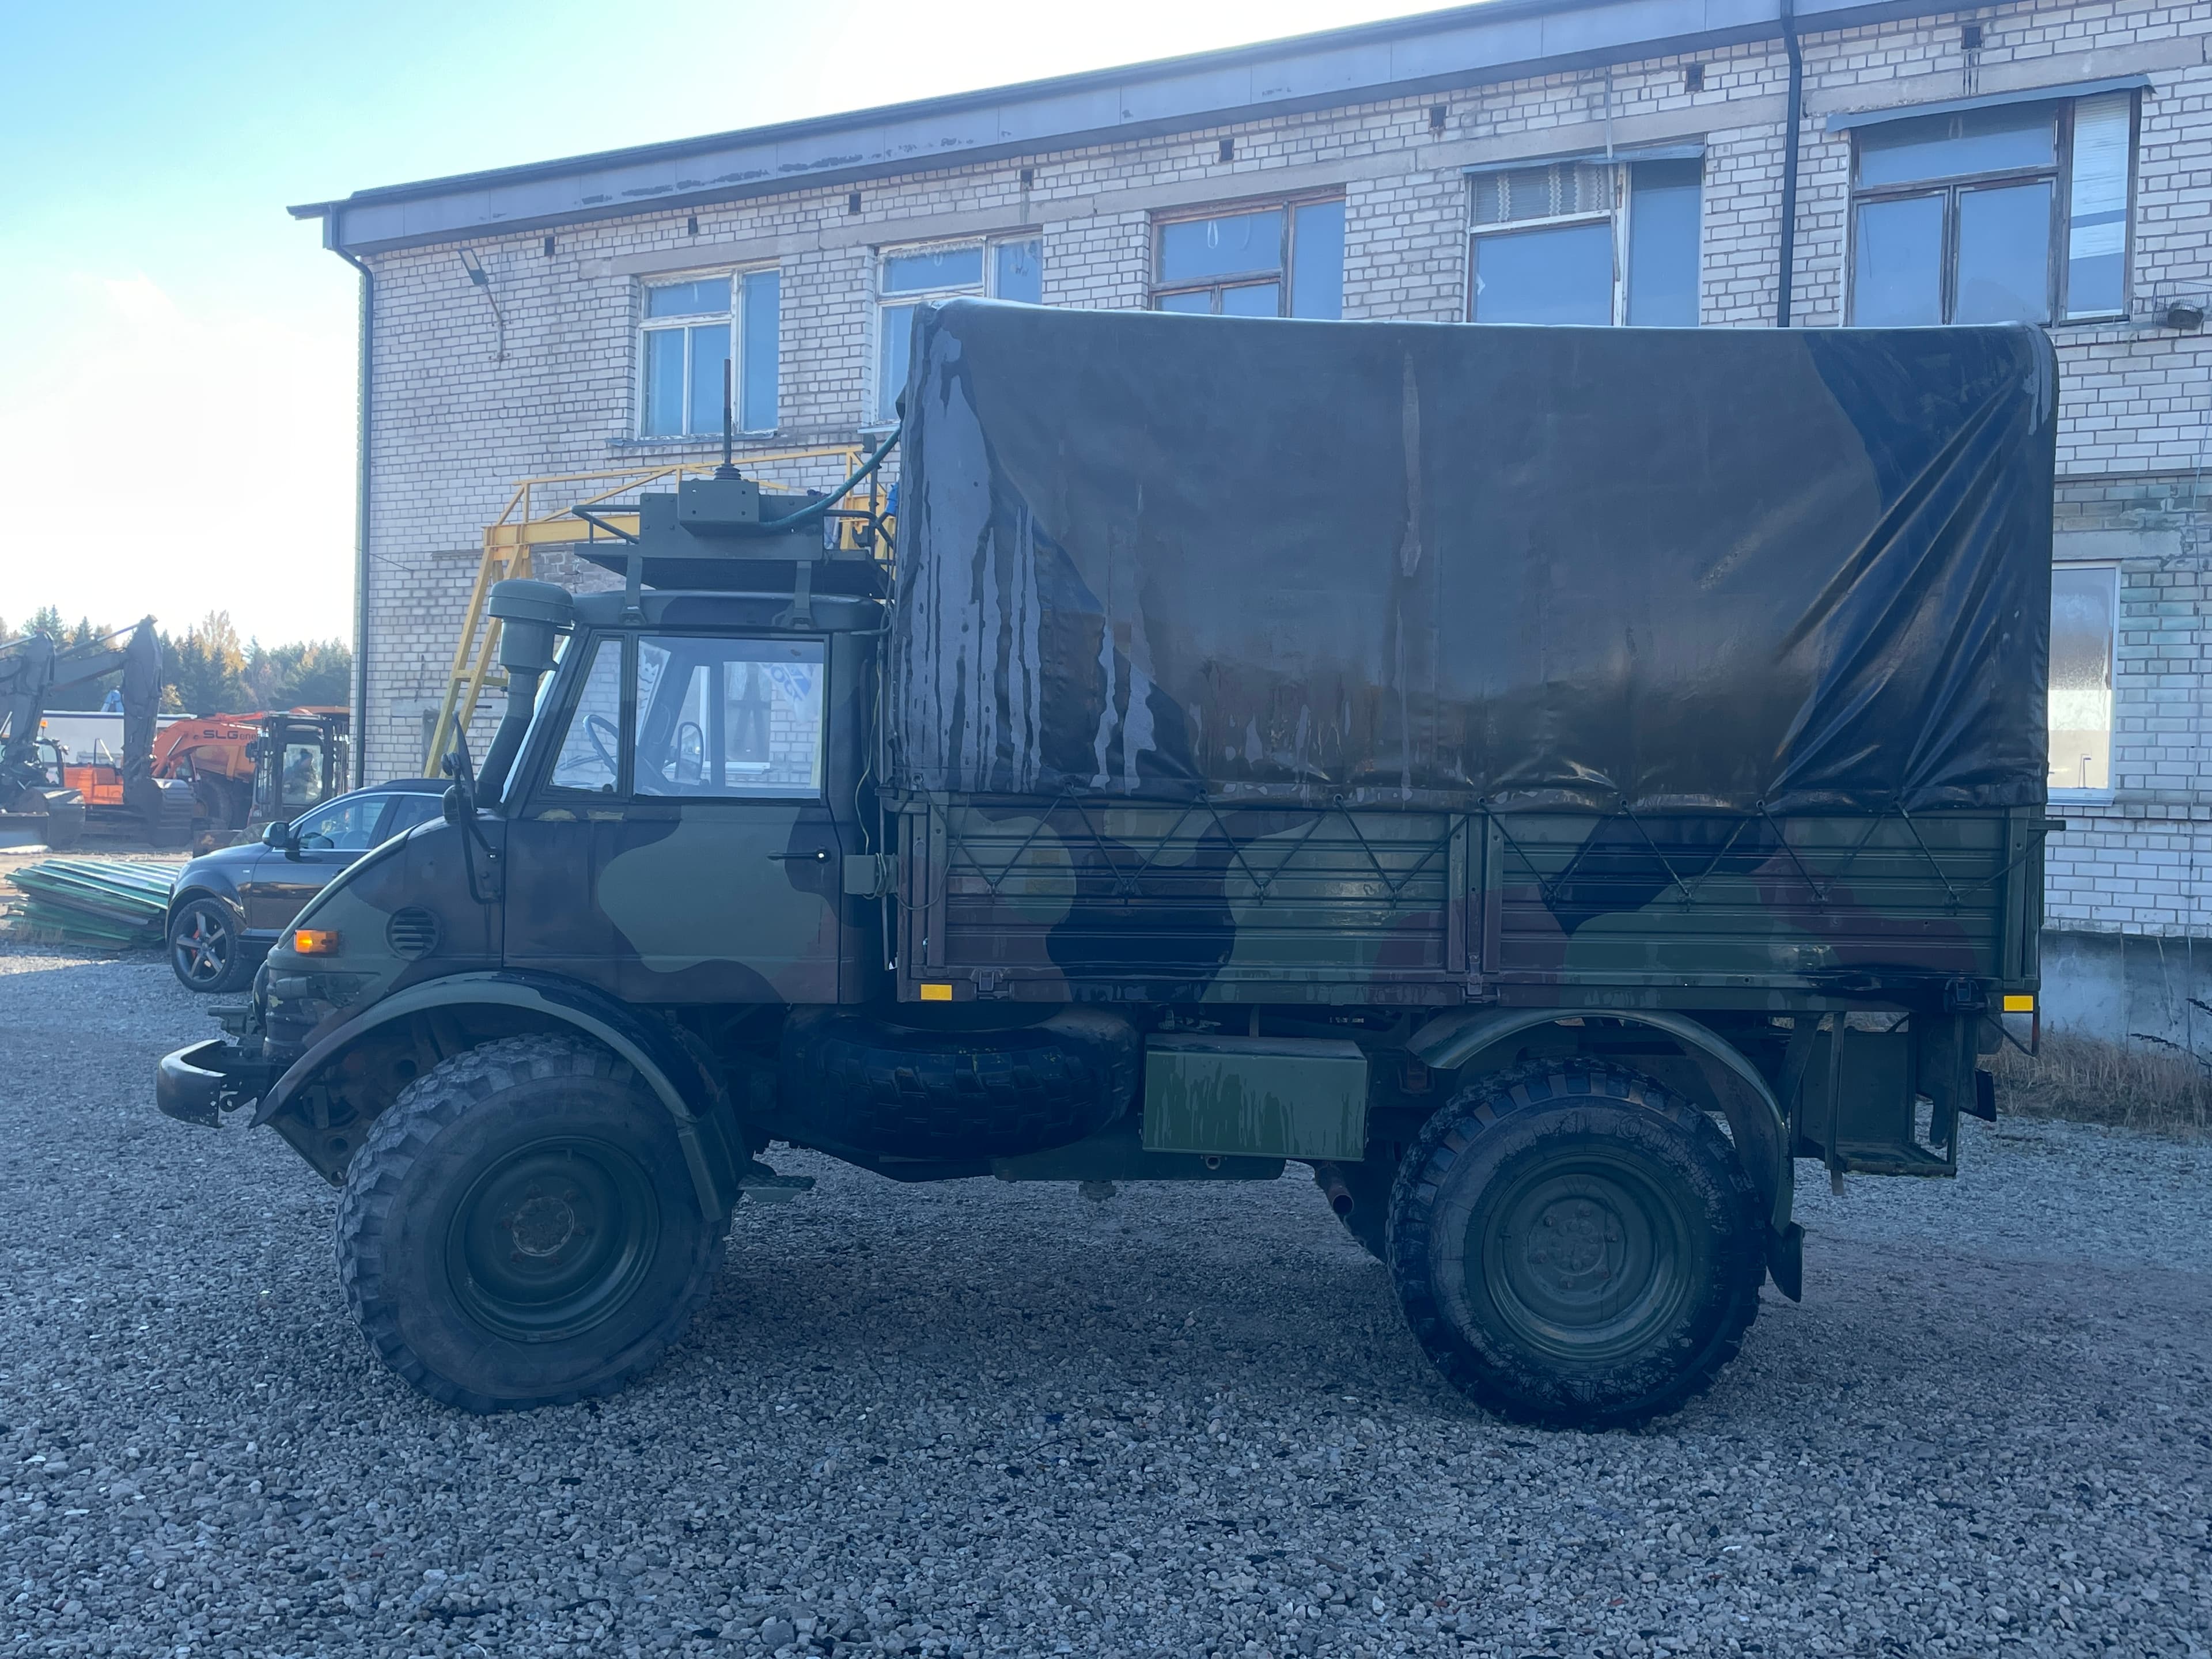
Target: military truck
{"x": 1547, "y": 783}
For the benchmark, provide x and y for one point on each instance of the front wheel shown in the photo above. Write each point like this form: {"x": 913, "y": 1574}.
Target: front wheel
{"x": 520, "y": 1228}
{"x": 205, "y": 952}
{"x": 1574, "y": 1247}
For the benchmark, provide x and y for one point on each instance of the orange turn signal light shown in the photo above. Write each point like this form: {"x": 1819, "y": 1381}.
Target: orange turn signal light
{"x": 315, "y": 942}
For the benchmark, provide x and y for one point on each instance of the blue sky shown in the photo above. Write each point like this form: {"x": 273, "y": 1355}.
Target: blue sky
{"x": 177, "y": 355}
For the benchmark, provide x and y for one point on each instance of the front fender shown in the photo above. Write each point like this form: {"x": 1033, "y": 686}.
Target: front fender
{"x": 1754, "y": 1116}
{"x": 220, "y": 888}
{"x": 705, "y": 1123}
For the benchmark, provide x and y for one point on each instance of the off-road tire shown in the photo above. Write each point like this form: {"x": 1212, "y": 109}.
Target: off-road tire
{"x": 567, "y": 1135}
{"x": 206, "y": 953}
{"x": 865, "y": 1084}
{"x": 1574, "y": 1247}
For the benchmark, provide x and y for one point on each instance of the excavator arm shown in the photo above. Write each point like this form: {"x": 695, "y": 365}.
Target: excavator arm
{"x": 33, "y": 669}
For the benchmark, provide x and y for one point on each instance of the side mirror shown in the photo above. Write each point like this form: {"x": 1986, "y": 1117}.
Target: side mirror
{"x": 278, "y": 836}
{"x": 459, "y": 810}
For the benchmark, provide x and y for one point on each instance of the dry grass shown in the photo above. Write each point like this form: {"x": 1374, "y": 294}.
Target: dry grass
{"x": 2131, "y": 1086}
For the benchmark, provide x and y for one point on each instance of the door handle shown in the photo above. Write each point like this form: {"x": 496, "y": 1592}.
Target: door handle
{"x": 819, "y": 855}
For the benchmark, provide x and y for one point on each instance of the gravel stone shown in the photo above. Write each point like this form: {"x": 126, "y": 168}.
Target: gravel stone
{"x": 981, "y": 1419}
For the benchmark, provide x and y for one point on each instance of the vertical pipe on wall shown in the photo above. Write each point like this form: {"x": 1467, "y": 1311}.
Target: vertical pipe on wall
{"x": 334, "y": 235}
{"x": 1793, "y": 120}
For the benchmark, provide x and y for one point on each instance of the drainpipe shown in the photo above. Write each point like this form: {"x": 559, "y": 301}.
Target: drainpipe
{"x": 1796, "y": 118}
{"x": 336, "y": 238}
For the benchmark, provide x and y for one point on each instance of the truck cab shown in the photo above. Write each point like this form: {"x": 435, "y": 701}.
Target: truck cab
{"x": 703, "y": 774}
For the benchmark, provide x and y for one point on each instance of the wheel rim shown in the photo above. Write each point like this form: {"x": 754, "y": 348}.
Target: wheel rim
{"x": 1583, "y": 1256}
{"x": 552, "y": 1239}
{"x": 201, "y": 947}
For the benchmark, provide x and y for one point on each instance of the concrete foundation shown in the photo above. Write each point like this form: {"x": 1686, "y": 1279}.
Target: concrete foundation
{"x": 2118, "y": 986}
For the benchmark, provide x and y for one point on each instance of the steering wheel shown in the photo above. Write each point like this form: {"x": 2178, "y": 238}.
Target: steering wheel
{"x": 603, "y": 747}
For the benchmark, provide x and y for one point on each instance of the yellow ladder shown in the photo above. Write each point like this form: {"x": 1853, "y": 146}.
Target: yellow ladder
{"x": 526, "y": 524}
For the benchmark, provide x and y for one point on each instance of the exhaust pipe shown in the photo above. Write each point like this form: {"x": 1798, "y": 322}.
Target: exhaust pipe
{"x": 1328, "y": 1178}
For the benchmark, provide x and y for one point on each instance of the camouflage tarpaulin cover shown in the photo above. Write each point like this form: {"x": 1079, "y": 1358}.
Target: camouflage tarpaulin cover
{"x": 1169, "y": 557}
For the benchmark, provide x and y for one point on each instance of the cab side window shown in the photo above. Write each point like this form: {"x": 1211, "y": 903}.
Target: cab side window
{"x": 729, "y": 719}
{"x": 590, "y": 756}
{"x": 348, "y": 825}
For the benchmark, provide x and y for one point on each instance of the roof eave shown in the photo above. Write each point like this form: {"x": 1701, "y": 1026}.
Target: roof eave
{"x": 1500, "y": 41}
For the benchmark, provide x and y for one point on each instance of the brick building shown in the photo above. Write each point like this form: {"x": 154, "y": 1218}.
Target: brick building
{"x": 1731, "y": 163}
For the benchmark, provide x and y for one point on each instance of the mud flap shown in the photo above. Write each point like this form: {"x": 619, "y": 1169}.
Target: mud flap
{"x": 1984, "y": 1103}
{"x": 1785, "y": 1261}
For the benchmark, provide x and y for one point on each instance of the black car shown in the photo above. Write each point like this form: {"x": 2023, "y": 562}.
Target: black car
{"x": 229, "y": 906}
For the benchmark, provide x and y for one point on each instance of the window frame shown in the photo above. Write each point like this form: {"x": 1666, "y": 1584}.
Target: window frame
{"x": 1950, "y": 187}
{"x": 547, "y": 763}
{"x": 1283, "y": 274}
{"x": 547, "y": 759}
{"x": 880, "y": 397}
{"x": 2077, "y": 794}
{"x": 1616, "y": 217}
{"x": 734, "y": 320}
{"x": 633, "y": 714}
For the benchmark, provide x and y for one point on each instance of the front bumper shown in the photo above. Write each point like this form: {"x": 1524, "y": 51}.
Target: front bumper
{"x": 197, "y": 1084}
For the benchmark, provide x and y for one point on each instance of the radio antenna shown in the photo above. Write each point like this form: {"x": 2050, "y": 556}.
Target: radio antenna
{"x": 728, "y": 468}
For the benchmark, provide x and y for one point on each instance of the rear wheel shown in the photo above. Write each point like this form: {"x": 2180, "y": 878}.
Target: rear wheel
{"x": 521, "y": 1229}
{"x": 205, "y": 952}
{"x": 1575, "y": 1247}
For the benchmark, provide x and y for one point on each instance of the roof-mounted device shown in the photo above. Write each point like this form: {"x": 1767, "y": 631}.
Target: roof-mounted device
{"x": 726, "y": 533}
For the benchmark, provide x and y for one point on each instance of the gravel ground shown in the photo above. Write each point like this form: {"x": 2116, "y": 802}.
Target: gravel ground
{"x": 984, "y": 1419}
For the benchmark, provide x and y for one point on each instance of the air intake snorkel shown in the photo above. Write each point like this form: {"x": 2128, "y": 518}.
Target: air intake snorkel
{"x": 531, "y": 615}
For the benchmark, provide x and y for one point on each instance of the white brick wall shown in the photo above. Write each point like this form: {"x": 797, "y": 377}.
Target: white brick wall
{"x": 456, "y": 425}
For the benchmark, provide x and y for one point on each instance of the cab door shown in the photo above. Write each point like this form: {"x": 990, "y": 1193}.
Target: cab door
{"x": 682, "y": 847}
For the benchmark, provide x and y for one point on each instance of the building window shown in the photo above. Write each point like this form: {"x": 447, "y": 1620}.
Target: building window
{"x": 2017, "y": 213}
{"x": 1002, "y": 268}
{"x": 2085, "y": 608}
{"x": 1264, "y": 260}
{"x": 689, "y": 331}
{"x": 1589, "y": 242}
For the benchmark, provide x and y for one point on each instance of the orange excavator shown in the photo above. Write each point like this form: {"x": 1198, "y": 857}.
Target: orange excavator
{"x": 241, "y": 768}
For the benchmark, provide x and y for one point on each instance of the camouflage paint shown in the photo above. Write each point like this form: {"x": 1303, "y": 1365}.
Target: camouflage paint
{"x": 1216, "y": 904}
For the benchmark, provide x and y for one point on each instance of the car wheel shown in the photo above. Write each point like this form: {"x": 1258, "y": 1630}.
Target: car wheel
{"x": 1575, "y": 1247}
{"x": 205, "y": 952}
{"x": 520, "y": 1228}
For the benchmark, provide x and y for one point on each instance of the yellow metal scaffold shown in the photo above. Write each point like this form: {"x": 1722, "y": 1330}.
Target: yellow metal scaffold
{"x": 530, "y": 522}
